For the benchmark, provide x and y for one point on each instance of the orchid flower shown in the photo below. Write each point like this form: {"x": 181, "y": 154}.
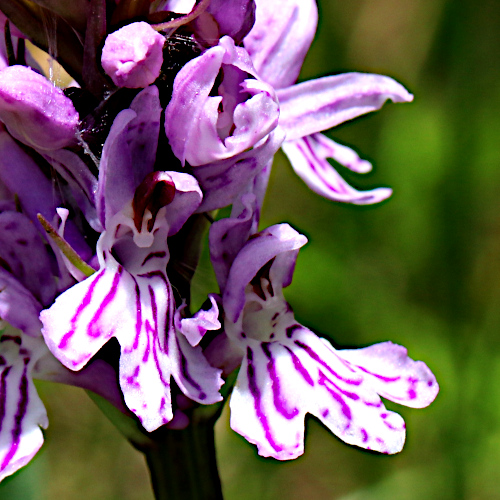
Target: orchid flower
{"x": 278, "y": 44}
{"x": 130, "y": 296}
{"x": 103, "y": 217}
{"x": 286, "y": 370}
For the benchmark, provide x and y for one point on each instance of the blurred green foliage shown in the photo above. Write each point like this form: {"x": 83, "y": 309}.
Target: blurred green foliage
{"x": 421, "y": 269}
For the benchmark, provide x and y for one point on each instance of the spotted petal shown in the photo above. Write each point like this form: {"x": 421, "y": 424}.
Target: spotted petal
{"x": 280, "y": 382}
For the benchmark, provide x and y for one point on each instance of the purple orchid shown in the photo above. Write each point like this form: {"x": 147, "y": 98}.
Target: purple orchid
{"x": 278, "y": 44}
{"x": 102, "y": 219}
{"x": 286, "y": 370}
{"x": 130, "y": 297}
{"x": 216, "y": 128}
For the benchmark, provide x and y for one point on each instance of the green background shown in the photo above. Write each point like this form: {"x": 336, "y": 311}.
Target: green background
{"x": 421, "y": 269}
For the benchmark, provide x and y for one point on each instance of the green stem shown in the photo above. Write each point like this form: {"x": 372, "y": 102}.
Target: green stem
{"x": 183, "y": 464}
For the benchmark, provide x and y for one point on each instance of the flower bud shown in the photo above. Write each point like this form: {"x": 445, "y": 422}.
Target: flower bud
{"x": 133, "y": 55}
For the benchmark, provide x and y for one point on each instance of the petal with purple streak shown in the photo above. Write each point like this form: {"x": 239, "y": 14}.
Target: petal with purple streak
{"x": 280, "y": 382}
{"x": 324, "y": 103}
{"x": 308, "y": 157}
{"x": 21, "y": 411}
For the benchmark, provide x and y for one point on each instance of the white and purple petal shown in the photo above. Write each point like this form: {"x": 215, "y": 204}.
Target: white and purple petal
{"x": 308, "y": 157}
{"x": 262, "y": 248}
{"x": 280, "y": 382}
{"x": 21, "y": 411}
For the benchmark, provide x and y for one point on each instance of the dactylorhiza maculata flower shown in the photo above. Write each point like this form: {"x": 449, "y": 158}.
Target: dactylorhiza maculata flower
{"x": 107, "y": 188}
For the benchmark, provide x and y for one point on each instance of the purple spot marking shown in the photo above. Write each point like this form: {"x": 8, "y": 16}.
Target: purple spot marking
{"x": 22, "y": 406}
{"x": 82, "y": 306}
{"x": 325, "y": 412}
{"x": 430, "y": 383}
{"x": 132, "y": 379}
{"x": 154, "y": 255}
{"x": 291, "y": 329}
{"x": 412, "y": 394}
{"x": 257, "y": 401}
{"x": 378, "y": 404}
{"x": 316, "y": 358}
{"x": 278, "y": 399}
{"x": 13, "y": 338}
{"x": 344, "y": 406}
{"x": 300, "y": 367}
{"x": 365, "y": 435}
{"x": 92, "y": 330}
{"x": 390, "y": 426}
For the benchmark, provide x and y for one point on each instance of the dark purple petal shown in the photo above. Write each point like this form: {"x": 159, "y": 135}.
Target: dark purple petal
{"x": 23, "y": 177}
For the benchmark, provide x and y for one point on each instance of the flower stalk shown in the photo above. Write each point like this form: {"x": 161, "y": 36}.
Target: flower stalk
{"x": 183, "y": 463}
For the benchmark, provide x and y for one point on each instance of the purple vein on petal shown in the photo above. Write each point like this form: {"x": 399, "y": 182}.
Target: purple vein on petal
{"x": 322, "y": 363}
{"x": 344, "y": 406}
{"x": 154, "y": 255}
{"x": 257, "y": 400}
{"x": 103, "y": 305}
{"x": 138, "y": 314}
{"x": 310, "y": 153}
{"x": 87, "y": 299}
{"x": 381, "y": 377}
{"x": 3, "y": 394}
{"x": 22, "y": 406}
{"x": 300, "y": 367}
{"x": 276, "y": 386}
{"x": 185, "y": 372}
{"x": 155, "y": 340}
